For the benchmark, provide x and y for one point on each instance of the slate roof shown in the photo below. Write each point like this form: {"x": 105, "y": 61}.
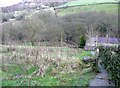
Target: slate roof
{"x": 101, "y": 40}
{"x": 106, "y": 40}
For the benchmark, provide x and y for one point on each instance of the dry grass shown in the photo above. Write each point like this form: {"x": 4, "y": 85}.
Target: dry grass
{"x": 54, "y": 62}
{"x": 40, "y": 56}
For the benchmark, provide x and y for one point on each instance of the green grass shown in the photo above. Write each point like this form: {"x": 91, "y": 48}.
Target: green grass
{"x": 78, "y": 78}
{"x": 16, "y": 82}
{"x": 47, "y": 80}
{"x": 86, "y": 2}
{"x": 109, "y": 8}
{"x": 83, "y": 54}
{"x": 82, "y": 80}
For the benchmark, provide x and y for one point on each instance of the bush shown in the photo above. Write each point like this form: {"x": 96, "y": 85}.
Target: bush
{"x": 82, "y": 42}
{"x": 4, "y": 20}
{"x": 7, "y": 16}
{"x": 20, "y": 17}
{"x": 110, "y": 57}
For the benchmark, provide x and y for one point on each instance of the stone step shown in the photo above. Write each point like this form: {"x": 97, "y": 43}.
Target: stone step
{"x": 100, "y": 82}
{"x": 102, "y": 76}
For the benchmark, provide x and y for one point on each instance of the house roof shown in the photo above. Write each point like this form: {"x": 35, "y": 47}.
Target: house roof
{"x": 106, "y": 40}
{"x": 101, "y": 40}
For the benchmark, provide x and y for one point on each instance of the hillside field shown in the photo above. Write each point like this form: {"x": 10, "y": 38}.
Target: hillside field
{"x": 86, "y": 2}
{"x": 109, "y": 8}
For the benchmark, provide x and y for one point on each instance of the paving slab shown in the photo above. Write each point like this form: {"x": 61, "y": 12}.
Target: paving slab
{"x": 101, "y": 79}
{"x": 102, "y": 76}
{"x": 99, "y": 82}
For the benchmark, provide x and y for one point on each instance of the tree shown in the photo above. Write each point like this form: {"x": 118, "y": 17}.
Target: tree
{"x": 34, "y": 26}
{"x": 42, "y": 26}
{"x": 103, "y": 29}
{"x": 82, "y": 41}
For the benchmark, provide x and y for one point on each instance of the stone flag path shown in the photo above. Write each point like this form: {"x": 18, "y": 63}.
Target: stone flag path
{"x": 101, "y": 78}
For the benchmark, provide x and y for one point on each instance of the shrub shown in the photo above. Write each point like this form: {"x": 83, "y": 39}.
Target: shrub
{"x": 82, "y": 42}
{"x": 7, "y": 16}
{"x": 20, "y": 17}
{"x": 4, "y": 19}
{"x": 110, "y": 57}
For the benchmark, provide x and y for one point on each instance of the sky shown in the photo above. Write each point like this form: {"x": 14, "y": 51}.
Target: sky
{"x": 4, "y": 3}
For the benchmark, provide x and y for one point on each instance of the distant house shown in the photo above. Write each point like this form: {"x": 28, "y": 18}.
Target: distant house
{"x": 11, "y": 19}
{"x": 44, "y": 6}
{"x": 100, "y": 41}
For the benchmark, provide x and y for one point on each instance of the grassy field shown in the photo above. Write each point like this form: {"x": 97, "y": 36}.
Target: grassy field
{"x": 44, "y": 66}
{"x": 108, "y": 8}
{"x": 86, "y": 2}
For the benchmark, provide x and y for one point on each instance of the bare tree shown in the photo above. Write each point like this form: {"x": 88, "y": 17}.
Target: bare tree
{"x": 91, "y": 34}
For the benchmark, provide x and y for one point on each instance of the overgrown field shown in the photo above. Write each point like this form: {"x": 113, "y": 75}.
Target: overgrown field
{"x": 44, "y": 66}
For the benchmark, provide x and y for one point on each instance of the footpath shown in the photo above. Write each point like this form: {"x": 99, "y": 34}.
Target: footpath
{"x": 101, "y": 79}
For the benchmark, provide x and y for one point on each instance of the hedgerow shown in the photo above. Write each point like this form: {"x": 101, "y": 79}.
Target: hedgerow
{"x": 110, "y": 57}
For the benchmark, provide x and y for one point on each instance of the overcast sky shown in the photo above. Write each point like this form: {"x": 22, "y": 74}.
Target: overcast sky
{"x": 8, "y": 2}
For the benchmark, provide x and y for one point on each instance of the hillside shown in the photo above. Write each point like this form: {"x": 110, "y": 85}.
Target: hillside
{"x": 109, "y": 8}
{"x": 33, "y": 4}
{"x": 86, "y": 2}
